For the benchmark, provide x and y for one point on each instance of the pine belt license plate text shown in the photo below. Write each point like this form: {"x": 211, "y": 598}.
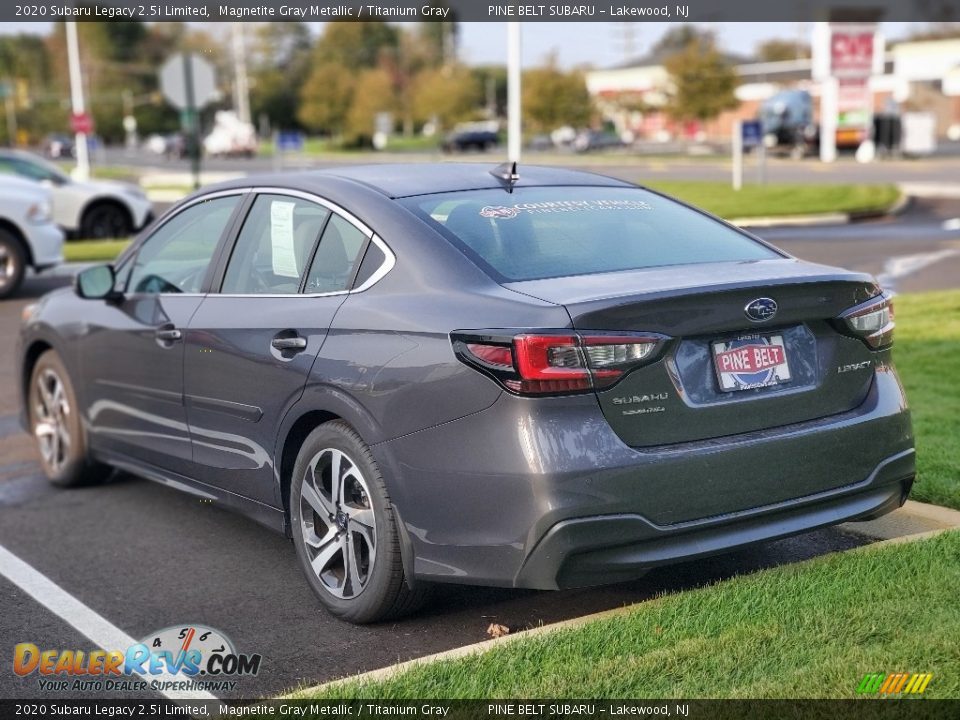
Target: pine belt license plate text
{"x": 751, "y": 361}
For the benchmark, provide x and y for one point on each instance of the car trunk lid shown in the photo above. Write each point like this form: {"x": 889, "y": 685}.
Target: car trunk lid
{"x": 807, "y": 369}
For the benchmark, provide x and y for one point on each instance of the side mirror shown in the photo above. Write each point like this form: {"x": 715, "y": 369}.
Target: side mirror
{"x": 96, "y": 283}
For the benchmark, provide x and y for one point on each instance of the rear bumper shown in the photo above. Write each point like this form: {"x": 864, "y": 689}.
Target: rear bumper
{"x": 591, "y": 551}
{"x": 543, "y": 494}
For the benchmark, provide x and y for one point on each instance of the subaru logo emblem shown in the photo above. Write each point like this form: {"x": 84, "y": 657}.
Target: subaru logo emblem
{"x": 761, "y": 309}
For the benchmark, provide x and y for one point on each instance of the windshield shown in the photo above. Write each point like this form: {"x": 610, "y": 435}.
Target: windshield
{"x": 34, "y": 168}
{"x": 546, "y": 232}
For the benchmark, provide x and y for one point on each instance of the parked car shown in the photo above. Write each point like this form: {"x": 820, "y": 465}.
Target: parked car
{"x": 28, "y": 236}
{"x": 594, "y": 140}
{"x": 438, "y": 373}
{"x": 91, "y": 209}
{"x": 230, "y": 137}
{"x": 172, "y": 146}
{"x": 471, "y": 136}
{"x": 787, "y": 119}
{"x": 58, "y": 146}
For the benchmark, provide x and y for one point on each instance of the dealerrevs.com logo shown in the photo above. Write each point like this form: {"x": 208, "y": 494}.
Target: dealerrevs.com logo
{"x": 181, "y": 657}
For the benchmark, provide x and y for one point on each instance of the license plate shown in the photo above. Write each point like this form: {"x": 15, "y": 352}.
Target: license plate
{"x": 751, "y": 361}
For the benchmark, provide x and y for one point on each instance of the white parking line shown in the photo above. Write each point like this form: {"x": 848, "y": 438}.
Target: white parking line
{"x": 899, "y": 267}
{"x": 88, "y": 622}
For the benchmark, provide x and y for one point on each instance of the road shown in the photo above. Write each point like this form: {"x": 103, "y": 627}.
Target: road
{"x": 146, "y": 557}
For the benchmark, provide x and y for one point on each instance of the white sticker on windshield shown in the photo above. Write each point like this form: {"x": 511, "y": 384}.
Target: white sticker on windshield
{"x": 507, "y": 212}
{"x": 283, "y": 257}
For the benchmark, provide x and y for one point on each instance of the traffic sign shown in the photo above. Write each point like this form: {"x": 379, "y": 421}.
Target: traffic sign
{"x": 289, "y": 141}
{"x": 173, "y": 81}
{"x": 81, "y": 123}
{"x": 752, "y": 132}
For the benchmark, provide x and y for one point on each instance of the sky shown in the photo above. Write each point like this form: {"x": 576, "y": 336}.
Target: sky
{"x": 595, "y": 43}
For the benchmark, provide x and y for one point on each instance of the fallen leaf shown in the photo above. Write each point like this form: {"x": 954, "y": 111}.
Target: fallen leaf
{"x": 495, "y": 630}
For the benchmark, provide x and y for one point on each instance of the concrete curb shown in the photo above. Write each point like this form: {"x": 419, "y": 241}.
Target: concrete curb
{"x": 898, "y": 207}
{"x": 930, "y": 189}
{"x": 803, "y": 220}
{"x": 945, "y": 516}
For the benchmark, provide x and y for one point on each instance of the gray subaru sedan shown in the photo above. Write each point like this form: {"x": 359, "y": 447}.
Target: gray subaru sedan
{"x": 531, "y": 378}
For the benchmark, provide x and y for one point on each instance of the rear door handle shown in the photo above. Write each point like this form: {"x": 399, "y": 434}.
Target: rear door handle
{"x": 289, "y": 343}
{"x": 169, "y": 335}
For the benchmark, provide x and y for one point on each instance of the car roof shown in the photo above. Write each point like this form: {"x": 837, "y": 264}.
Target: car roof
{"x": 405, "y": 180}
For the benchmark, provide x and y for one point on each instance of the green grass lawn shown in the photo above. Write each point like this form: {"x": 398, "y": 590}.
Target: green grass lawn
{"x": 808, "y": 630}
{"x": 779, "y": 199}
{"x": 93, "y": 250}
{"x": 926, "y": 350}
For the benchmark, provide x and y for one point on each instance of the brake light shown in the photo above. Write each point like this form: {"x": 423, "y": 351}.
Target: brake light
{"x": 555, "y": 362}
{"x": 872, "y": 322}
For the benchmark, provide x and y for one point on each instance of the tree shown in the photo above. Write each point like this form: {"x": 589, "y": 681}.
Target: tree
{"x": 777, "y": 50}
{"x": 552, "y": 98}
{"x": 373, "y": 94}
{"x": 325, "y": 98}
{"x": 680, "y": 37}
{"x": 438, "y": 41}
{"x": 280, "y": 60}
{"x": 450, "y": 94}
{"x": 355, "y": 45}
{"x": 703, "y": 82}
{"x": 934, "y": 31}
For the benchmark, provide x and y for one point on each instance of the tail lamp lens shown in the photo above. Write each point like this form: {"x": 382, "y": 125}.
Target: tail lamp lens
{"x": 872, "y": 322}
{"x": 555, "y": 363}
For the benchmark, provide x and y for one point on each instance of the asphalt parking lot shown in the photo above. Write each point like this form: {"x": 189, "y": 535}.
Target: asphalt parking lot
{"x": 145, "y": 557}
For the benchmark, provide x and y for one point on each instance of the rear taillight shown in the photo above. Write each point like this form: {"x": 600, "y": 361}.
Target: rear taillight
{"x": 871, "y": 321}
{"x": 555, "y": 362}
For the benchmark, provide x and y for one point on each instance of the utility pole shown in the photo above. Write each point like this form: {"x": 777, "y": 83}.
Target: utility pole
{"x": 241, "y": 87}
{"x": 82, "y": 171}
{"x": 514, "y": 125}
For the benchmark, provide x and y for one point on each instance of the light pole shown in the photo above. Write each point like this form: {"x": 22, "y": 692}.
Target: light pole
{"x": 82, "y": 171}
{"x": 514, "y": 128}
{"x": 241, "y": 87}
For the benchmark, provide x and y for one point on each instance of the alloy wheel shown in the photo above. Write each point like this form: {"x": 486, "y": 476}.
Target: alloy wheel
{"x": 52, "y": 413}
{"x": 8, "y": 266}
{"x": 338, "y": 524}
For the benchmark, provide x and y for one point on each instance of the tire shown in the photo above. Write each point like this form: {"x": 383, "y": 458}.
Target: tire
{"x": 13, "y": 263}
{"x": 56, "y": 426}
{"x": 346, "y": 534}
{"x": 104, "y": 220}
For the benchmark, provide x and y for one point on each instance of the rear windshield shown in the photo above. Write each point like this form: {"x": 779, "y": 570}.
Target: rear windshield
{"x": 546, "y": 232}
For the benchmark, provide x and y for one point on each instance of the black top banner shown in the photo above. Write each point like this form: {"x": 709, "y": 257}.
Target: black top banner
{"x": 481, "y": 11}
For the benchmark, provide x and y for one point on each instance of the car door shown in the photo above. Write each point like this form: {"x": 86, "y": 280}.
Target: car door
{"x": 132, "y": 350}
{"x": 250, "y": 346}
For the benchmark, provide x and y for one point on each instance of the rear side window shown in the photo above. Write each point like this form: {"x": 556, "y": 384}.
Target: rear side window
{"x": 545, "y": 232}
{"x": 336, "y": 259}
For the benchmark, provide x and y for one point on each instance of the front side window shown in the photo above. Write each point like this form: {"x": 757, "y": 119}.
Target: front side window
{"x": 545, "y": 232}
{"x": 175, "y": 258}
{"x": 274, "y": 246}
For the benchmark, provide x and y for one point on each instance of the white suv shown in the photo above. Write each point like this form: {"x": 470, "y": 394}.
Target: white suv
{"x": 28, "y": 235}
{"x": 92, "y": 209}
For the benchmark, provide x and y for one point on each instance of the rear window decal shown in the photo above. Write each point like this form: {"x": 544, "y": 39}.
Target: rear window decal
{"x": 508, "y": 212}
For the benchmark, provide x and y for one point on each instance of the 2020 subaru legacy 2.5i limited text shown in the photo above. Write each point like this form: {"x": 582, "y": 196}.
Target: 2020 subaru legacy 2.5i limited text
{"x": 441, "y": 373}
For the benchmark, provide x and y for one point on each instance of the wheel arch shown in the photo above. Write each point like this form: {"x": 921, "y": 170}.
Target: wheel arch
{"x": 98, "y": 200}
{"x": 31, "y": 354}
{"x": 318, "y": 405}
